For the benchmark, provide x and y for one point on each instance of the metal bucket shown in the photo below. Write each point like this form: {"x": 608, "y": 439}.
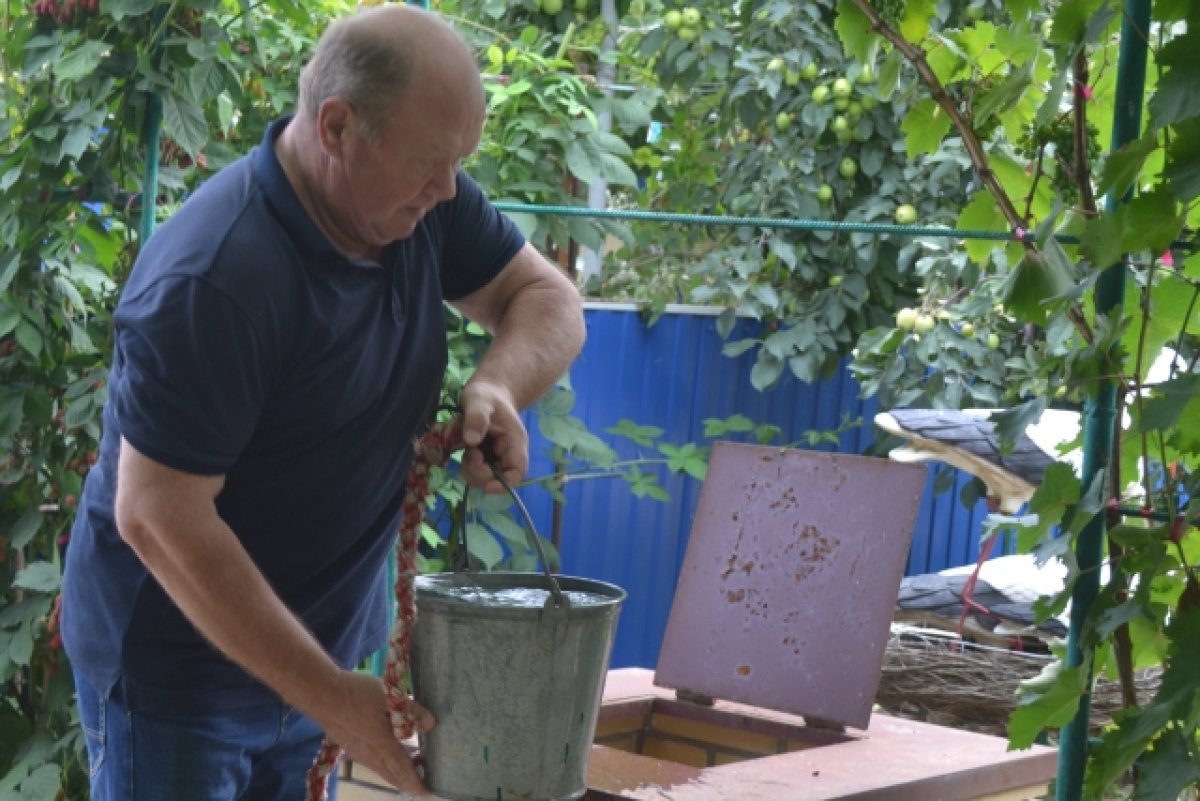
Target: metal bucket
{"x": 515, "y": 689}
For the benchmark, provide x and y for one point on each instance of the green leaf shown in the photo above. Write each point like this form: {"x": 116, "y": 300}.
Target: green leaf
{"x": 1004, "y": 95}
{"x": 25, "y": 528}
{"x": 38, "y": 577}
{"x": 1071, "y": 20}
{"x": 1057, "y": 495}
{"x": 507, "y": 528}
{"x": 1151, "y": 222}
{"x": 29, "y": 338}
{"x": 1136, "y": 728}
{"x": 924, "y": 127}
{"x": 571, "y": 435}
{"x": 44, "y": 784}
{"x": 1101, "y": 239}
{"x": 1182, "y": 170}
{"x": 981, "y": 214}
{"x": 184, "y": 122}
{"x": 8, "y": 270}
{"x": 1167, "y": 769}
{"x": 129, "y": 8}
{"x": 81, "y": 61}
{"x": 1169, "y": 402}
{"x": 1011, "y": 423}
{"x": 735, "y": 349}
{"x": 26, "y": 611}
{"x": 75, "y": 142}
{"x": 483, "y": 545}
{"x": 642, "y": 435}
{"x": 889, "y": 74}
{"x": 590, "y": 164}
{"x": 1121, "y": 167}
{"x": 206, "y": 80}
{"x": 854, "y": 29}
{"x": 915, "y": 22}
{"x": 1049, "y": 700}
{"x": 20, "y": 646}
{"x": 81, "y": 343}
{"x": 687, "y": 458}
{"x": 1035, "y": 280}
{"x": 766, "y": 371}
{"x": 1176, "y": 98}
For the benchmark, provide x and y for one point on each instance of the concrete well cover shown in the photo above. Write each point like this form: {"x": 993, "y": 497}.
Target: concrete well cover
{"x": 790, "y": 579}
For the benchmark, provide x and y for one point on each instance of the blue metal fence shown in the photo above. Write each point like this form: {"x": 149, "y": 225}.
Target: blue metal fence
{"x": 672, "y": 375}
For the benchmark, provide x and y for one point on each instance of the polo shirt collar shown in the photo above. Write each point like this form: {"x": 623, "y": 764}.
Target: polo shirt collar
{"x": 284, "y": 200}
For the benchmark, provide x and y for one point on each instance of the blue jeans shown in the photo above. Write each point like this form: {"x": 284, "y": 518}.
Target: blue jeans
{"x": 262, "y": 753}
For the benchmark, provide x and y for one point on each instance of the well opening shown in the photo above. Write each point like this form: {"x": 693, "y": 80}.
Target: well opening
{"x": 702, "y": 736}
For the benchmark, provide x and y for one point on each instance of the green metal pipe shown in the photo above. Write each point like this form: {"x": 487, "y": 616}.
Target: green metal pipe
{"x": 757, "y": 222}
{"x": 1101, "y": 409}
{"x": 151, "y": 132}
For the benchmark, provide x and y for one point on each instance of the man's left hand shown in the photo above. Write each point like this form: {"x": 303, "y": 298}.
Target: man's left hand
{"x": 490, "y": 414}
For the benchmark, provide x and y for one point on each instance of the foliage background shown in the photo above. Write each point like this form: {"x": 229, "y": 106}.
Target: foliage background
{"x": 732, "y": 110}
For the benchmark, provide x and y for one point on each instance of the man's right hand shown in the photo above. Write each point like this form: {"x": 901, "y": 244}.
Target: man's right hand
{"x": 358, "y": 722}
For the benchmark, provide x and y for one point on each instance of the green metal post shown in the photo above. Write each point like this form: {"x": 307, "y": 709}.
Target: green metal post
{"x": 151, "y": 132}
{"x": 1100, "y": 409}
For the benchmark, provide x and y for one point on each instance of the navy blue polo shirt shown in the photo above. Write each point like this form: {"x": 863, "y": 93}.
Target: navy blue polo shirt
{"x": 247, "y": 346}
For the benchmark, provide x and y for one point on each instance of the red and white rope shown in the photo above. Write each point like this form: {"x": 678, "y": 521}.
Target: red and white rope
{"x": 432, "y": 450}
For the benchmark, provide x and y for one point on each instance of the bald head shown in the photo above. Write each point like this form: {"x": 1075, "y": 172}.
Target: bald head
{"x": 377, "y": 59}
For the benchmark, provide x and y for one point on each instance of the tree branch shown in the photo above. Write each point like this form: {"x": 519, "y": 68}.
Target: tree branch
{"x": 1080, "y": 169}
{"x": 970, "y": 138}
{"x": 940, "y": 96}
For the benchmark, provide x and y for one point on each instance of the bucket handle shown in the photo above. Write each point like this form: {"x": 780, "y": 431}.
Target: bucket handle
{"x": 489, "y": 456}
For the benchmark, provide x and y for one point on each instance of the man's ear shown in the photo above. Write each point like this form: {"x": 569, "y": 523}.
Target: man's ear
{"x": 335, "y": 118}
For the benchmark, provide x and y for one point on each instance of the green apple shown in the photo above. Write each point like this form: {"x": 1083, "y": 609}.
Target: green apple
{"x": 975, "y": 11}
{"x": 841, "y": 103}
{"x": 691, "y": 16}
{"x": 842, "y": 88}
{"x": 820, "y": 94}
{"x": 825, "y": 193}
{"x": 867, "y": 75}
{"x": 967, "y": 330}
{"x": 848, "y": 167}
{"x": 810, "y": 71}
{"x": 673, "y": 19}
{"x": 687, "y": 33}
{"x": 552, "y": 7}
{"x": 774, "y": 65}
{"x": 906, "y": 318}
{"x": 993, "y": 341}
{"x": 581, "y": 5}
{"x": 791, "y": 77}
{"x": 783, "y": 120}
{"x": 924, "y": 323}
{"x": 906, "y": 214}
{"x": 868, "y": 102}
{"x": 840, "y": 124}
{"x": 835, "y": 281}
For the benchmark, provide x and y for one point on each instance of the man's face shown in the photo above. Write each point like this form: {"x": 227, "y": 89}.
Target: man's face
{"x": 392, "y": 181}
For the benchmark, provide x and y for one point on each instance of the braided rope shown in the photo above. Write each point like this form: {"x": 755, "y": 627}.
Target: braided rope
{"x": 432, "y": 450}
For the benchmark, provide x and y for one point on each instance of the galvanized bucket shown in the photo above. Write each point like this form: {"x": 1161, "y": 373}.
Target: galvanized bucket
{"x": 515, "y": 689}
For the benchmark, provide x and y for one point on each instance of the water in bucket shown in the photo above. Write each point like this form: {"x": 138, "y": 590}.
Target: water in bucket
{"x": 514, "y": 680}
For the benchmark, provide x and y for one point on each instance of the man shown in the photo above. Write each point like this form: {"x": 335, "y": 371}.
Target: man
{"x": 278, "y": 346}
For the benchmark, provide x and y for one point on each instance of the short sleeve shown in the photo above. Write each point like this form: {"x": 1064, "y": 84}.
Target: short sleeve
{"x": 478, "y": 242}
{"x": 189, "y": 375}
